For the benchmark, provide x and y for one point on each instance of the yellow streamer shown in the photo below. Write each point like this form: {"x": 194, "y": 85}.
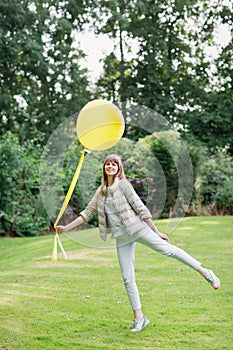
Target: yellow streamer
{"x": 63, "y": 208}
{"x": 71, "y": 189}
{"x": 54, "y": 254}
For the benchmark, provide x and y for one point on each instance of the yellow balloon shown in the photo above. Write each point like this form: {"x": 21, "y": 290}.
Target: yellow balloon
{"x": 100, "y": 125}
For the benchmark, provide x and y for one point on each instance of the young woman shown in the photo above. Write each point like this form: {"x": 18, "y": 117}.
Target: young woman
{"x": 122, "y": 213}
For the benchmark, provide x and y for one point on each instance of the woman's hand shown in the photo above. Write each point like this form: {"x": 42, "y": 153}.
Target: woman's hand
{"x": 60, "y": 229}
{"x": 163, "y": 236}
{"x": 151, "y": 224}
{"x": 71, "y": 226}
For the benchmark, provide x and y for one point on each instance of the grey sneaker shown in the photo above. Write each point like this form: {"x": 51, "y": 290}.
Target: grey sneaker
{"x": 212, "y": 279}
{"x": 139, "y": 325}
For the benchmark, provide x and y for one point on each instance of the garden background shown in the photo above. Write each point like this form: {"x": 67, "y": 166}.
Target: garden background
{"x": 167, "y": 57}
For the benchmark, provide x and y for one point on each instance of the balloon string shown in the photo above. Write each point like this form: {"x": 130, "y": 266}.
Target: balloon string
{"x": 71, "y": 189}
{"x": 54, "y": 253}
{"x": 61, "y": 246}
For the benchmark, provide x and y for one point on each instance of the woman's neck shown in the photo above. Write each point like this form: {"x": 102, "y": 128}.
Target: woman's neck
{"x": 110, "y": 181}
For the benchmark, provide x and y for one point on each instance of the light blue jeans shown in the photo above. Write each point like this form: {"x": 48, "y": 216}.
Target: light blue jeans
{"x": 125, "y": 250}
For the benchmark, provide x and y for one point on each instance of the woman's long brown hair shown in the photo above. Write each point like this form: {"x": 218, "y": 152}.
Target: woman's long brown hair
{"x": 120, "y": 174}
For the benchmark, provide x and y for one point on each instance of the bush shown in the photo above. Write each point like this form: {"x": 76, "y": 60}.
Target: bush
{"x": 215, "y": 186}
{"x": 22, "y": 213}
{"x": 224, "y": 197}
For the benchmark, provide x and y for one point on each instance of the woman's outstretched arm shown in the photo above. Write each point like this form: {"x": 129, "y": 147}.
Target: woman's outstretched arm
{"x": 71, "y": 225}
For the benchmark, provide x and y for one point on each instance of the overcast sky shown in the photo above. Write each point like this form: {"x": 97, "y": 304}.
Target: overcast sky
{"x": 97, "y": 47}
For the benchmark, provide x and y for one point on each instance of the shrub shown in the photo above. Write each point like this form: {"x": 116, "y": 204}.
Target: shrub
{"x": 215, "y": 187}
{"x": 22, "y": 213}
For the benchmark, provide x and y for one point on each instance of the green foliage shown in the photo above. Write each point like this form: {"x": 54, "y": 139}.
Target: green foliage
{"x": 216, "y": 184}
{"x": 171, "y": 72}
{"x": 224, "y": 196}
{"x": 213, "y": 120}
{"x": 41, "y": 79}
{"x": 107, "y": 86}
{"x": 22, "y": 212}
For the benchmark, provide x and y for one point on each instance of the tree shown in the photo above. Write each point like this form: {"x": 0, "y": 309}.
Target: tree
{"x": 215, "y": 117}
{"x": 171, "y": 73}
{"x": 41, "y": 81}
{"x": 115, "y": 22}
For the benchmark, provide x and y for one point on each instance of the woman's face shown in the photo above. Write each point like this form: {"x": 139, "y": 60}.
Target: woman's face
{"x": 111, "y": 168}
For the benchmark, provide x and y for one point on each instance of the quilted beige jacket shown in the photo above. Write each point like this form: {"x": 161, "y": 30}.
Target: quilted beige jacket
{"x": 131, "y": 209}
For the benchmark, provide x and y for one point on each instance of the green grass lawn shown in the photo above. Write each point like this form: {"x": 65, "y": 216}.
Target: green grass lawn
{"x": 80, "y": 303}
